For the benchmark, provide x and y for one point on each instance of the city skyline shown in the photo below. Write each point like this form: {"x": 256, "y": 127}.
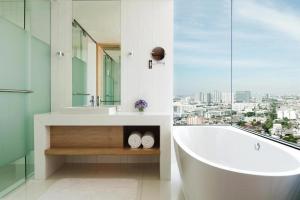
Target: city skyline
{"x": 262, "y": 40}
{"x": 253, "y": 94}
{"x": 274, "y": 116}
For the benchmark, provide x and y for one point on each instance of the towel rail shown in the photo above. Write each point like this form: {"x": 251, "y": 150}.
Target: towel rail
{"x": 86, "y": 94}
{"x": 15, "y": 91}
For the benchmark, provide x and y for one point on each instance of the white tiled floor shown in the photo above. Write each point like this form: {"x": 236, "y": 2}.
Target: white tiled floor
{"x": 149, "y": 185}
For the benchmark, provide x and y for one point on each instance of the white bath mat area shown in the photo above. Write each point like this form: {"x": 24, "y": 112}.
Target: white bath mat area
{"x": 92, "y": 189}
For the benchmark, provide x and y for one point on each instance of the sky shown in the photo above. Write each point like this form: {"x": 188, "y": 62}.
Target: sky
{"x": 266, "y": 46}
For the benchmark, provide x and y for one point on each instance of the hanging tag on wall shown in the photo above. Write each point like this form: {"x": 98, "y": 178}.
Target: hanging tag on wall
{"x": 60, "y": 54}
{"x": 150, "y": 64}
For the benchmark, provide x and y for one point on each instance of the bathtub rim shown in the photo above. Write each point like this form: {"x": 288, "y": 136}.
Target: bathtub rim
{"x": 289, "y": 150}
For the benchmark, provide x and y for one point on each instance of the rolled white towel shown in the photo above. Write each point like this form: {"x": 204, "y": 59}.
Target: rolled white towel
{"x": 148, "y": 140}
{"x": 135, "y": 140}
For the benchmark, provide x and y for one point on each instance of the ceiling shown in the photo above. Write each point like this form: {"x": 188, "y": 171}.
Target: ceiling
{"x": 101, "y": 19}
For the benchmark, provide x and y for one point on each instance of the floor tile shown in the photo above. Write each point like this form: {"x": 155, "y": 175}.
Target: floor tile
{"x": 147, "y": 175}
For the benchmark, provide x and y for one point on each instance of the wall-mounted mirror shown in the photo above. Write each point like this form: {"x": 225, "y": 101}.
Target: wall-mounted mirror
{"x": 96, "y": 59}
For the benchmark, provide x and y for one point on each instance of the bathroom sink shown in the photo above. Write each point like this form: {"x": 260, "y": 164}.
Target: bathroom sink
{"x": 90, "y": 110}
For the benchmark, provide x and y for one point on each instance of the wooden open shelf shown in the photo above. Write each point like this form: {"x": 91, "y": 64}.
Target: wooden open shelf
{"x": 101, "y": 151}
{"x": 98, "y": 140}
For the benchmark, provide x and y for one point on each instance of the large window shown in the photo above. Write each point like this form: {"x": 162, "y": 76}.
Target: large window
{"x": 237, "y": 62}
{"x": 202, "y": 62}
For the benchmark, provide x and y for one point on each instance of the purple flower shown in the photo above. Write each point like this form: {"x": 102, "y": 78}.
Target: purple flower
{"x": 141, "y": 105}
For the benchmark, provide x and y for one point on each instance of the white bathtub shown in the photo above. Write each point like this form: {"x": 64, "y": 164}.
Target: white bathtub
{"x": 224, "y": 163}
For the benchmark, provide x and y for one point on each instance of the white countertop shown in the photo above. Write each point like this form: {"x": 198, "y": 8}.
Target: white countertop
{"x": 119, "y": 118}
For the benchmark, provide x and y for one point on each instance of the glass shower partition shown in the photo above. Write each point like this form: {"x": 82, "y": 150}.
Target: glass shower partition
{"x": 112, "y": 77}
{"x": 12, "y": 105}
{"x": 108, "y": 80}
{"x": 117, "y": 81}
{"x": 24, "y": 85}
{"x": 79, "y": 67}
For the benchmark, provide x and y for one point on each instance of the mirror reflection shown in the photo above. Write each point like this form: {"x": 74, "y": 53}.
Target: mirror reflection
{"x": 96, "y": 66}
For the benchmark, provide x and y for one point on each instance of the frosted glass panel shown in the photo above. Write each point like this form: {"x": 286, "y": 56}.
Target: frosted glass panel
{"x": 12, "y": 132}
{"x": 108, "y": 77}
{"x": 117, "y": 84}
{"x": 13, "y": 11}
{"x": 12, "y": 106}
{"x": 13, "y": 75}
{"x": 38, "y": 19}
{"x": 111, "y": 81}
{"x": 79, "y": 82}
{"x": 39, "y": 101}
{"x": 13, "y": 45}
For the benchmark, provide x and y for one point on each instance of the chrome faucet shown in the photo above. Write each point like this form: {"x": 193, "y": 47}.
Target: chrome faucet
{"x": 98, "y": 101}
{"x": 92, "y": 101}
{"x": 257, "y": 146}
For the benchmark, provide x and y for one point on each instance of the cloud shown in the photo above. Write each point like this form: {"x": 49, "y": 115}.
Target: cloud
{"x": 205, "y": 33}
{"x": 188, "y": 61}
{"x": 254, "y": 63}
{"x": 254, "y": 36}
{"x": 270, "y": 16}
{"x": 192, "y": 62}
{"x": 201, "y": 48}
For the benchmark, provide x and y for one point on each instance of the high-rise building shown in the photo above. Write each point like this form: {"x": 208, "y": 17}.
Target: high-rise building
{"x": 226, "y": 97}
{"x": 217, "y": 96}
{"x": 242, "y": 96}
{"x": 209, "y": 98}
{"x": 202, "y": 97}
{"x": 197, "y": 97}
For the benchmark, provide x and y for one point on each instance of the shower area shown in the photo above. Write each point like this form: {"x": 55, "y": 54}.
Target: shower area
{"x": 24, "y": 85}
{"x": 111, "y": 81}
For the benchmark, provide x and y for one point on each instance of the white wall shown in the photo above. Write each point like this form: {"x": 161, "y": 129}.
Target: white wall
{"x": 145, "y": 25}
{"x": 61, "y": 67}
